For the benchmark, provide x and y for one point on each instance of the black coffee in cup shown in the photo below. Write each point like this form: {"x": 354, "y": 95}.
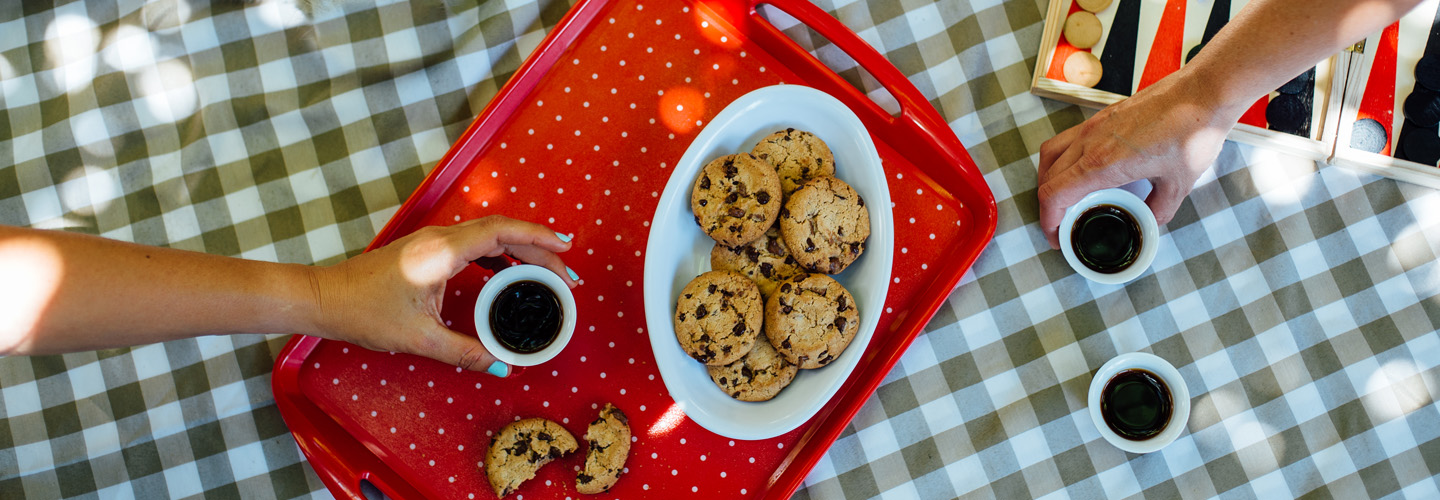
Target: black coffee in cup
{"x": 526, "y": 316}
{"x": 1136, "y": 404}
{"x": 1106, "y": 238}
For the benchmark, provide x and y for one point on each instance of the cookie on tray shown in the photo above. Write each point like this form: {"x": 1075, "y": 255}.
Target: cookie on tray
{"x": 797, "y": 156}
{"x": 758, "y": 376}
{"x": 765, "y": 260}
{"x": 718, "y": 316}
{"x": 824, "y": 225}
{"x": 811, "y": 319}
{"x": 521, "y": 448}
{"x": 609, "y": 440}
{"x": 736, "y": 198}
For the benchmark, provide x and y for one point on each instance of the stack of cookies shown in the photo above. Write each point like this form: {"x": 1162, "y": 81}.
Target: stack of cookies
{"x": 782, "y": 223}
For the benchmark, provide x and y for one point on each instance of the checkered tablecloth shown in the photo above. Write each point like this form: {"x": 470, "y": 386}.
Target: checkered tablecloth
{"x": 1298, "y": 302}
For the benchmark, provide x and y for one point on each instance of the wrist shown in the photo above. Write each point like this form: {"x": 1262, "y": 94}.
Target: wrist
{"x": 1220, "y": 97}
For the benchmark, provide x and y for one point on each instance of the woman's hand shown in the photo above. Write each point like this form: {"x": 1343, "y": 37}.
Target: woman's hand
{"x": 389, "y": 299}
{"x": 1168, "y": 133}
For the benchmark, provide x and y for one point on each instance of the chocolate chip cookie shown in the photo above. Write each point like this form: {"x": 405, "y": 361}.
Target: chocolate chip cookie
{"x": 811, "y": 319}
{"x": 718, "y": 316}
{"x": 765, "y": 260}
{"x": 736, "y": 198}
{"x": 521, "y": 448}
{"x": 758, "y": 376}
{"x": 609, "y": 440}
{"x": 825, "y": 225}
{"x": 797, "y": 156}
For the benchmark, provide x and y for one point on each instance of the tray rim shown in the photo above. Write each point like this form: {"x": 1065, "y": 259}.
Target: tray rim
{"x": 917, "y": 118}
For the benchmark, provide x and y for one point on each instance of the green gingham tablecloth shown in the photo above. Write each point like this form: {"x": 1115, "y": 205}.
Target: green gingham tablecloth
{"x": 1299, "y": 302}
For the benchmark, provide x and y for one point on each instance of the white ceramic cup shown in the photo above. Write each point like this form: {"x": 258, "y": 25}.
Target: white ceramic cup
{"x": 1149, "y": 234}
{"x": 1180, "y": 410}
{"x": 498, "y": 282}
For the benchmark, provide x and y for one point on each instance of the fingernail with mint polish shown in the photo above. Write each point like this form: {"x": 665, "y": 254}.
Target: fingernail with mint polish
{"x": 499, "y": 369}
{"x": 573, "y": 276}
{"x": 562, "y": 236}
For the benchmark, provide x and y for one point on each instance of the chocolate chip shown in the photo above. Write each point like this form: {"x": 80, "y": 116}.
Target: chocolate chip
{"x": 697, "y": 220}
{"x": 860, "y": 200}
{"x": 786, "y": 309}
{"x": 700, "y": 312}
{"x": 766, "y": 269}
{"x": 745, "y": 372}
{"x": 521, "y": 447}
{"x": 739, "y": 329}
{"x": 725, "y": 349}
{"x": 711, "y": 289}
{"x": 544, "y": 437}
{"x": 774, "y": 247}
{"x": 730, "y": 169}
{"x": 840, "y": 323}
{"x": 784, "y": 212}
{"x": 789, "y": 131}
{"x": 785, "y": 344}
{"x": 819, "y": 161}
{"x": 681, "y": 317}
{"x": 704, "y": 202}
{"x": 704, "y": 337}
{"x": 844, "y": 304}
{"x": 724, "y": 381}
{"x": 689, "y": 296}
{"x": 827, "y": 359}
{"x": 798, "y": 278}
{"x": 835, "y": 265}
{"x": 705, "y": 182}
{"x": 763, "y": 197}
{"x": 785, "y": 288}
{"x": 752, "y": 254}
{"x": 855, "y": 248}
{"x": 809, "y": 245}
{"x": 554, "y": 452}
{"x": 620, "y": 415}
{"x": 802, "y": 359}
{"x": 734, "y": 228}
{"x": 583, "y": 478}
{"x": 740, "y": 188}
{"x": 731, "y": 199}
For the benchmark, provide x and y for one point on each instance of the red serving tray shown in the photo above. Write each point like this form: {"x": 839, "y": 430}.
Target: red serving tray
{"x": 582, "y": 139}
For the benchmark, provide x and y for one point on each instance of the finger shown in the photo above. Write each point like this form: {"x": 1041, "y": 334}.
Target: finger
{"x": 1051, "y": 150}
{"x": 447, "y": 346}
{"x": 1050, "y": 224}
{"x": 544, "y": 258}
{"x": 480, "y": 237}
{"x": 1067, "y": 187}
{"x": 1165, "y": 199}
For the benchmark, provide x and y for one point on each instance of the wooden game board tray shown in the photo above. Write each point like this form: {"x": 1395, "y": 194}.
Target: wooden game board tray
{"x": 1376, "y": 86}
{"x": 1049, "y": 82}
{"x": 583, "y": 138}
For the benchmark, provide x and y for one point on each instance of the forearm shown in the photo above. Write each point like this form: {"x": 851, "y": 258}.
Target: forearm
{"x": 1272, "y": 41}
{"x": 66, "y": 292}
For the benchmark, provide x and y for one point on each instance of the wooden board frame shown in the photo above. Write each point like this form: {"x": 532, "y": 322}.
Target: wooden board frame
{"x": 1329, "y": 87}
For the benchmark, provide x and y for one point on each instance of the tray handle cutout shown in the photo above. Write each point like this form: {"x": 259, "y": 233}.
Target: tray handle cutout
{"x": 908, "y": 98}
{"x": 834, "y": 59}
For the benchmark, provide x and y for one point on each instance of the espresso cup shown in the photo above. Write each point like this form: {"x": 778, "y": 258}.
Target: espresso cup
{"x": 1179, "y": 400}
{"x": 1136, "y": 208}
{"x": 492, "y": 289}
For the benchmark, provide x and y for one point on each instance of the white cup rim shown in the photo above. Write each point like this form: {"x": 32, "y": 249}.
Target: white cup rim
{"x": 1149, "y": 234}
{"x": 498, "y": 282}
{"x": 1179, "y": 417}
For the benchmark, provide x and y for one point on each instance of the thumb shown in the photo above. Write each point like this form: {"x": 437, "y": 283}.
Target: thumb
{"x": 448, "y": 346}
